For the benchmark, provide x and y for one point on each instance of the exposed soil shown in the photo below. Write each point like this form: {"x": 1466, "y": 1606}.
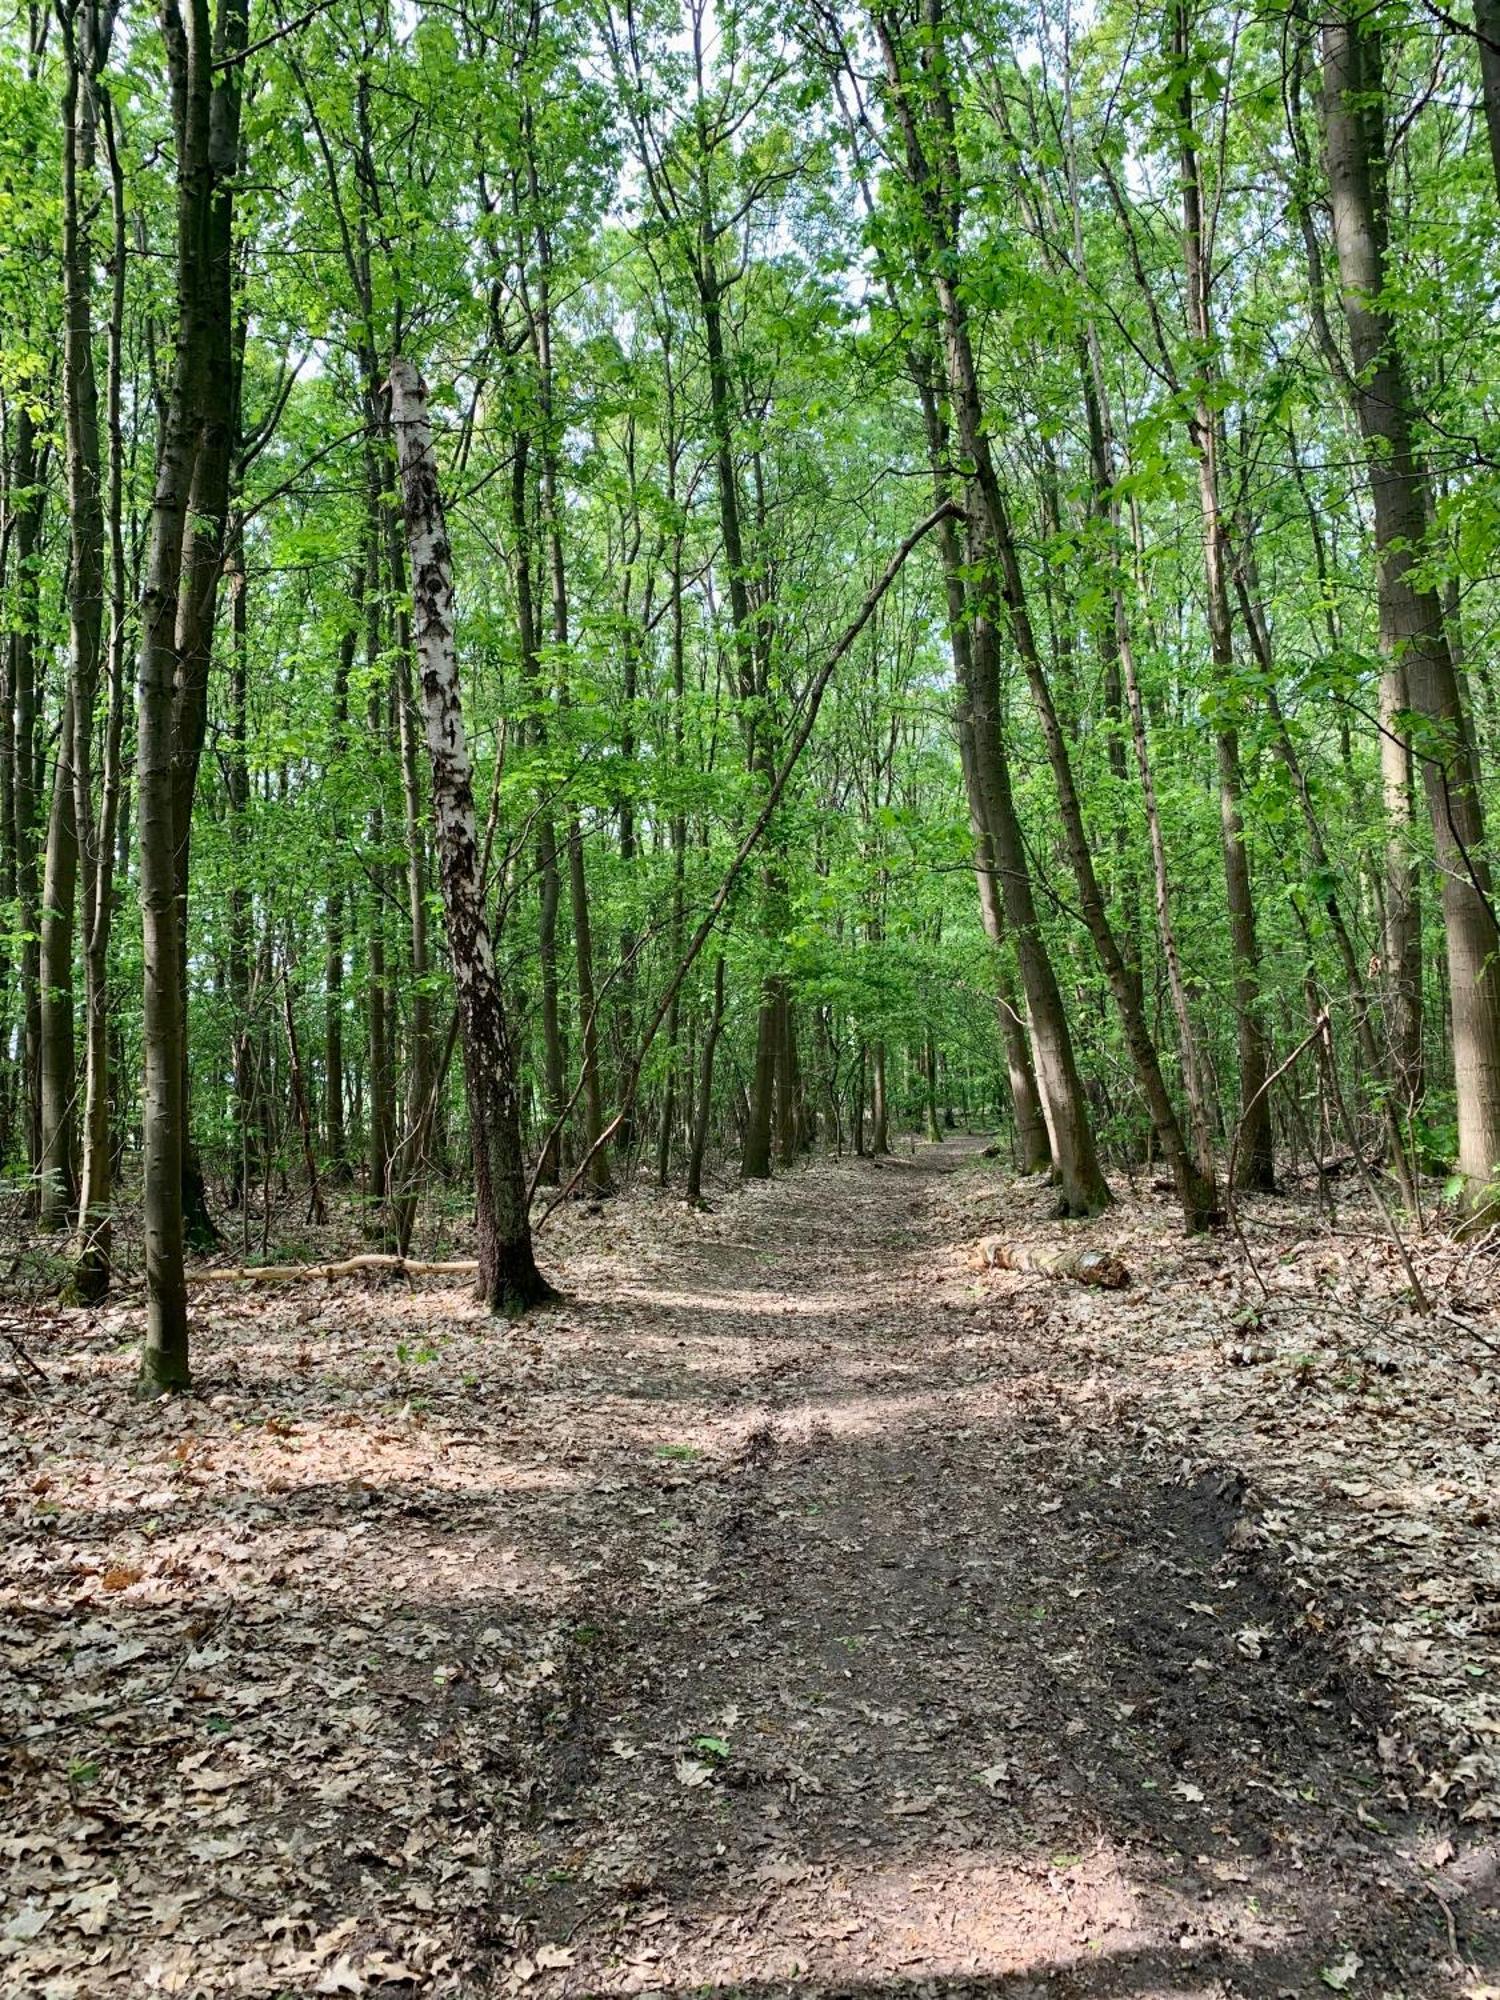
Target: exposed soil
{"x": 791, "y": 1611}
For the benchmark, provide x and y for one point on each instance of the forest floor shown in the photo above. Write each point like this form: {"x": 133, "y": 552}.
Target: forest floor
{"x": 793, "y": 1610}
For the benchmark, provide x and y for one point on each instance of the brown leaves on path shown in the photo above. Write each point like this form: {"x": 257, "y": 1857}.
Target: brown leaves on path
{"x": 415, "y": 1654}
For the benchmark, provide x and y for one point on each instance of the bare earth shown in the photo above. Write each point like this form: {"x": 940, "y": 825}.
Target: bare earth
{"x": 791, "y": 1611}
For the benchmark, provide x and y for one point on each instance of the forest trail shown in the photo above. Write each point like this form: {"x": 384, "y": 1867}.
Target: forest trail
{"x": 790, "y": 1611}
{"x": 914, "y": 1677}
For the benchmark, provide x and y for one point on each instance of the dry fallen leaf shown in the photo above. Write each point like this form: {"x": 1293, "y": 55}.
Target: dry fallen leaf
{"x": 340, "y": 1977}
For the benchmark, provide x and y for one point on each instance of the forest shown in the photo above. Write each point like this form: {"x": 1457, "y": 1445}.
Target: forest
{"x": 749, "y": 996}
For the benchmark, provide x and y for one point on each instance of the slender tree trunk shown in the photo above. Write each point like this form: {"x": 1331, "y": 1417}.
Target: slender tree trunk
{"x": 929, "y": 1088}
{"x": 508, "y": 1277}
{"x": 1193, "y": 1180}
{"x": 554, "y": 1052}
{"x": 189, "y": 510}
{"x": 381, "y": 1131}
{"x": 86, "y": 646}
{"x": 98, "y": 827}
{"x": 1487, "y": 34}
{"x": 1360, "y": 1001}
{"x": 588, "y": 1008}
{"x": 57, "y": 1167}
{"x": 1411, "y": 617}
{"x": 409, "y": 1159}
{"x": 923, "y": 107}
{"x": 703, "y": 1110}
{"x": 1107, "y": 506}
{"x": 1082, "y": 1186}
{"x": 788, "y": 1080}
{"x": 755, "y": 1156}
{"x": 554, "y": 1047}
{"x": 237, "y": 789}
{"x": 1033, "y": 1146}
{"x": 880, "y": 1122}
{"x": 599, "y": 1178}
{"x": 297, "y": 1086}
{"x": 1255, "y": 1156}
{"x": 1031, "y": 1128}
{"x": 26, "y": 479}
{"x": 335, "y": 1131}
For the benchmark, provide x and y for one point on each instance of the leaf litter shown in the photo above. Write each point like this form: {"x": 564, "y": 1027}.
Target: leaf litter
{"x": 787, "y": 1606}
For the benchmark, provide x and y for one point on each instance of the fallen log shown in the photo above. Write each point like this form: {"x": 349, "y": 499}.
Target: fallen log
{"x": 1084, "y": 1267}
{"x": 350, "y": 1267}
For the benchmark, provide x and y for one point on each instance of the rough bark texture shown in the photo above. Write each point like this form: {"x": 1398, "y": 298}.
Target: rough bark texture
{"x": 508, "y": 1277}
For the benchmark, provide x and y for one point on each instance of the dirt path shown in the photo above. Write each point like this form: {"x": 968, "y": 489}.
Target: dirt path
{"x": 789, "y": 1612}
{"x": 905, "y": 1679}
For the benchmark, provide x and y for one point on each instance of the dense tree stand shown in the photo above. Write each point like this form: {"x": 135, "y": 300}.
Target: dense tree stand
{"x": 827, "y": 673}
{"x": 597, "y": 768}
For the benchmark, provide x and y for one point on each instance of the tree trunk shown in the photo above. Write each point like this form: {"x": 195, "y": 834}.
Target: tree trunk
{"x": 1031, "y": 1128}
{"x": 57, "y": 1166}
{"x": 917, "y": 94}
{"x": 1256, "y": 1159}
{"x": 508, "y": 1277}
{"x": 1258, "y": 625}
{"x": 1082, "y": 1186}
{"x": 929, "y": 1088}
{"x": 703, "y": 1110}
{"x": 583, "y": 941}
{"x": 297, "y": 1085}
{"x": 26, "y": 479}
{"x": 380, "y": 1134}
{"x": 86, "y": 646}
{"x": 1411, "y": 619}
{"x": 1107, "y": 508}
{"x": 410, "y": 1153}
{"x": 189, "y": 509}
{"x": 554, "y": 1053}
{"x": 880, "y": 1124}
{"x": 98, "y": 829}
{"x": 237, "y": 790}
{"x": 335, "y": 1131}
{"x": 1487, "y": 34}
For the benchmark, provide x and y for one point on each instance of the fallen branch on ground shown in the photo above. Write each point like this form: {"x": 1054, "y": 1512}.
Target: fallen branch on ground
{"x": 1084, "y": 1267}
{"x": 351, "y": 1267}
